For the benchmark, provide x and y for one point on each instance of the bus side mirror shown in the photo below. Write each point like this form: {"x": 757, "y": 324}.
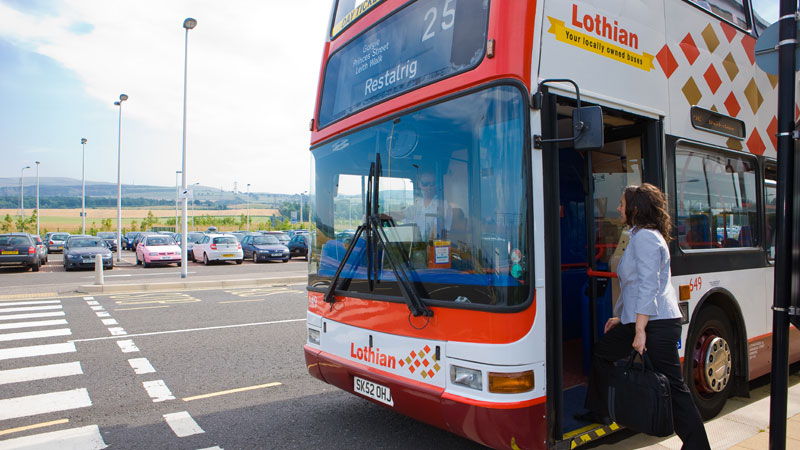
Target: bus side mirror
{"x": 587, "y": 125}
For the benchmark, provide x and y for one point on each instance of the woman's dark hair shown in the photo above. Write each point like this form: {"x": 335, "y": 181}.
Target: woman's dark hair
{"x": 646, "y": 207}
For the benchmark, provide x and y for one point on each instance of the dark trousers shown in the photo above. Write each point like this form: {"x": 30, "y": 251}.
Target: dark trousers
{"x": 662, "y": 340}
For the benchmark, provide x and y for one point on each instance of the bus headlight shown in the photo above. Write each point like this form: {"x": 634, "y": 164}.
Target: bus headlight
{"x": 511, "y": 383}
{"x": 313, "y": 336}
{"x": 471, "y": 378}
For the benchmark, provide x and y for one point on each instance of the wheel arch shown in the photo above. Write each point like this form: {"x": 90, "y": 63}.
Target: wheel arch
{"x": 726, "y": 301}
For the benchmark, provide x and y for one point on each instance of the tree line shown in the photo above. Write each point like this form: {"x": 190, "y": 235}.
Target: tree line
{"x": 59, "y": 202}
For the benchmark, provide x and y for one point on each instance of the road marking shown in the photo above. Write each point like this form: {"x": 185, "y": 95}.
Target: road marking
{"x": 127, "y": 346}
{"x": 182, "y": 424}
{"x": 33, "y": 427}
{"x": 84, "y": 438}
{"x": 117, "y": 331}
{"x": 141, "y": 307}
{"x": 31, "y": 405}
{"x": 97, "y": 308}
{"x": 103, "y": 314}
{"x": 242, "y": 301}
{"x": 141, "y": 366}
{"x": 153, "y": 297}
{"x": 216, "y": 447}
{"x": 40, "y": 372}
{"x": 39, "y": 302}
{"x": 36, "y": 350}
{"x": 32, "y": 324}
{"x": 32, "y": 315}
{"x": 88, "y": 298}
{"x": 34, "y": 295}
{"x": 110, "y": 322}
{"x": 256, "y": 292}
{"x": 231, "y": 391}
{"x": 221, "y": 327}
{"x": 158, "y": 391}
{"x": 35, "y": 334}
{"x": 93, "y": 303}
{"x": 139, "y": 274}
{"x": 29, "y": 308}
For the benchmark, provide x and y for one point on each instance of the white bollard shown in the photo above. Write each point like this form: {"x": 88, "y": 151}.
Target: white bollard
{"x": 98, "y": 269}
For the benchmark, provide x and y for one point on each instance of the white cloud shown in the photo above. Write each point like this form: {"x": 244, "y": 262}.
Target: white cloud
{"x": 252, "y": 80}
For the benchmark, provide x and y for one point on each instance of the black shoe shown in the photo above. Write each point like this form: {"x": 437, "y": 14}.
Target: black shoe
{"x": 591, "y": 417}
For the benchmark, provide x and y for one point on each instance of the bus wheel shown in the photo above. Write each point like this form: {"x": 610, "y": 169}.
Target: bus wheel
{"x": 708, "y": 361}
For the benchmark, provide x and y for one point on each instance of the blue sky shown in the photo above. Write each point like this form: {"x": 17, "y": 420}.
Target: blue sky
{"x": 253, "y": 70}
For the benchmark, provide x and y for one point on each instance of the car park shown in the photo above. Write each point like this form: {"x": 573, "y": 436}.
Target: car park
{"x": 157, "y": 249}
{"x": 40, "y": 248}
{"x": 56, "y": 242}
{"x": 218, "y": 247}
{"x": 110, "y": 237}
{"x": 298, "y": 246}
{"x": 283, "y": 238}
{"x": 260, "y": 247}
{"x": 19, "y": 249}
{"x": 80, "y": 251}
{"x": 127, "y": 240}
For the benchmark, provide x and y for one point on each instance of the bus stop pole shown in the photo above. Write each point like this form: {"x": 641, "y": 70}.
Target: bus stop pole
{"x": 784, "y": 222}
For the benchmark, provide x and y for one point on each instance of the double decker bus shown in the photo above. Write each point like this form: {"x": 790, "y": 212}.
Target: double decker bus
{"x": 467, "y": 160}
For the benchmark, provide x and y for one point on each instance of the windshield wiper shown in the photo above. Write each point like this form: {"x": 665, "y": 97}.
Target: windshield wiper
{"x": 373, "y": 229}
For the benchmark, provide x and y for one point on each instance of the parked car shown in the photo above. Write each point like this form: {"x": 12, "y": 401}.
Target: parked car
{"x": 140, "y": 237}
{"x": 218, "y": 247}
{"x": 298, "y": 246}
{"x": 283, "y": 238}
{"x": 56, "y": 242}
{"x": 192, "y": 238}
{"x": 110, "y": 237}
{"x": 261, "y": 247}
{"x": 157, "y": 249}
{"x": 19, "y": 249}
{"x": 79, "y": 253}
{"x": 127, "y": 240}
{"x": 40, "y": 248}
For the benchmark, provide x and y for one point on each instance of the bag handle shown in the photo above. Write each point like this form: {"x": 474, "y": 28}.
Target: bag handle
{"x": 647, "y": 364}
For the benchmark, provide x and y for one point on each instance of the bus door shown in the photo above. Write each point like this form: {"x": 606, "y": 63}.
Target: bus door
{"x": 592, "y": 240}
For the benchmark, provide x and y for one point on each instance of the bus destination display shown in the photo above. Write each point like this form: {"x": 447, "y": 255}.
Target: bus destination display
{"x": 449, "y": 37}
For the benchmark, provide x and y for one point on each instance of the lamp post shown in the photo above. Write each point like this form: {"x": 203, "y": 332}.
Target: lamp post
{"x": 301, "y": 208}
{"x": 37, "y": 197}
{"x": 83, "y": 186}
{"x": 22, "y": 194}
{"x": 122, "y": 98}
{"x": 193, "y": 200}
{"x": 248, "y": 207}
{"x": 177, "y": 172}
{"x": 188, "y": 24}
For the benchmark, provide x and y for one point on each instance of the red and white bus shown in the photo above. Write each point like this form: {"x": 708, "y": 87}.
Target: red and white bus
{"x": 465, "y": 243}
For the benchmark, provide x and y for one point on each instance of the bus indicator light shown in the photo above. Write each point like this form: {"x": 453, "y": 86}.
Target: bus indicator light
{"x": 511, "y": 383}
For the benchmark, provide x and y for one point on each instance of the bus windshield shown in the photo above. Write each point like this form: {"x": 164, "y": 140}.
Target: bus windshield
{"x": 452, "y": 200}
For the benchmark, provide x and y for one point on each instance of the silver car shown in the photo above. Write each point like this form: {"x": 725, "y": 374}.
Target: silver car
{"x": 218, "y": 247}
{"x": 57, "y": 241}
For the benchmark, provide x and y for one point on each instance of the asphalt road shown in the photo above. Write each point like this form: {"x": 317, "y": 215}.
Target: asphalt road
{"x": 225, "y": 367}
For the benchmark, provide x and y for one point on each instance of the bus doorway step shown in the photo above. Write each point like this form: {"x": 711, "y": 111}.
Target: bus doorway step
{"x": 590, "y": 433}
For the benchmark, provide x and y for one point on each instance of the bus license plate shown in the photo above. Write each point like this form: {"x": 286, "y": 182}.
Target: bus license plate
{"x": 373, "y": 390}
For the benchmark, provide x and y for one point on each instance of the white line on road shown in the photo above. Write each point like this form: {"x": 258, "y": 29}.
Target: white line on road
{"x": 32, "y": 315}
{"x": 103, "y": 314}
{"x": 30, "y": 308}
{"x": 158, "y": 391}
{"x": 141, "y": 366}
{"x": 93, "y": 303}
{"x": 110, "y": 322}
{"x": 117, "y": 331}
{"x": 139, "y": 274}
{"x": 40, "y": 372}
{"x": 88, "y": 298}
{"x": 35, "y": 334}
{"x": 182, "y": 424}
{"x": 97, "y": 308}
{"x": 32, "y": 324}
{"x": 33, "y": 302}
{"x": 44, "y": 403}
{"x": 221, "y": 327}
{"x": 37, "y": 350}
{"x": 84, "y": 438}
{"x": 127, "y": 346}
{"x": 216, "y": 447}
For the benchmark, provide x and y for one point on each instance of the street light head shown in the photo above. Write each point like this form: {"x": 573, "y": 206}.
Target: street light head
{"x": 189, "y": 23}
{"x": 178, "y": 171}
{"x": 116, "y": 103}
{"x": 26, "y": 167}
{"x": 38, "y": 162}
{"x": 123, "y": 97}
{"x": 83, "y": 140}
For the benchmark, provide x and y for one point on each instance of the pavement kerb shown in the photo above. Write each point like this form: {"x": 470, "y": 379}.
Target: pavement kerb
{"x": 177, "y": 285}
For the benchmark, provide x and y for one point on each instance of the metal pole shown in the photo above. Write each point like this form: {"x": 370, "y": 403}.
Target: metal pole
{"x": 37, "y": 199}
{"x": 122, "y": 98}
{"x": 176, "y": 199}
{"x": 188, "y": 24}
{"x": 83, "y": 187}
{"x": 784, "y": 218}
{"x": 22, "y": 194}
{"x": 248, "y": 207}
{"x": 301, "y": 210}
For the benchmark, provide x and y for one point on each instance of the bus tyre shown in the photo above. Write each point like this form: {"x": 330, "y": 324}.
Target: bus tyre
{"x": 708, "y": 362}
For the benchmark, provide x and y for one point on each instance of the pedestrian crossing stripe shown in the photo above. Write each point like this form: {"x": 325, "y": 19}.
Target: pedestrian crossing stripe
{"x": 589, "y": 433}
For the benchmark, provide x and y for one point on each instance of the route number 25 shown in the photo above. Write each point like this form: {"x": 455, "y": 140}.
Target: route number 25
{"x": 448, "y": 19}
{"x": 695, "y": 284}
